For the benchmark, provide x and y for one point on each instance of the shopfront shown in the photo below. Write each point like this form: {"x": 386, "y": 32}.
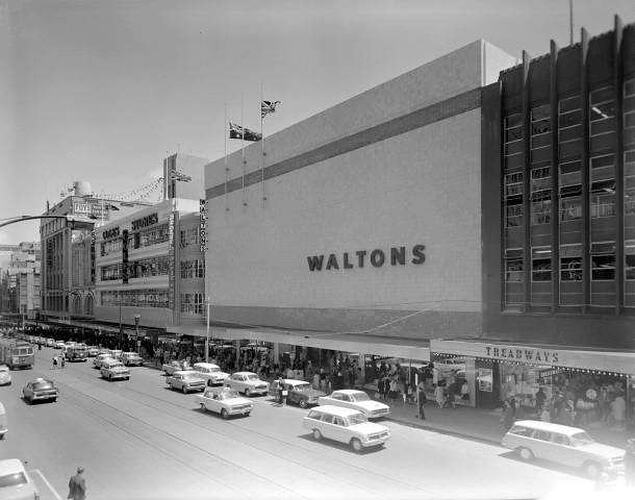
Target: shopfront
{"x": 581, "y": 387}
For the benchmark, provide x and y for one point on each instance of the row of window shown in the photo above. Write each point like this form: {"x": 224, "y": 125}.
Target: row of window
{"x": 189, "y": 237}
{"x": 139, "y": 239}
{"x": 143, "y": 268}
{"x": 602, "y": 263}
{"x": 150, "y": 297}
{"x": 193, "y": 303}
{"x": 193, "y": 269}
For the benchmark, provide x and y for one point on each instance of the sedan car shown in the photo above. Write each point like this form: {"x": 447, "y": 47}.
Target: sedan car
{"x": 15, "y": 482}
{"x": 131, "y": 359}
{"x": 114, "y": 370}
{"x": 100, "y": 359}
{"x": 50, "y": 342}
{"x": 92, "y": 351}
{"x": 172, "y": 366}
{"x": 116, "y": 353}
{"x": 211, "y": 373}
{"x": 247, "y": 383}
{"x": 186, "y": 381}
{"x": 39, "y": 389}
{"x": 5, "y": 375}
{"x": 59, "y": 345}
{"x": 225, "y": 401}
{"x": 345, "y": 425}
{"x": 357, "y": 400}
{"x": 299, "y": 392}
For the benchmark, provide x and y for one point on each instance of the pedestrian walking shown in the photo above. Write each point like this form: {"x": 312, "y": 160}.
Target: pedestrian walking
{"x": 54, "y": 363}
{"x": 421, "y": 399}
{"x": 63, "y": 361}
{"x": 77, "y": 485}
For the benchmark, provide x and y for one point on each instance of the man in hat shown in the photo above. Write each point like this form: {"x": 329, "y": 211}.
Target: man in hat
{"x": 77, "y": 485}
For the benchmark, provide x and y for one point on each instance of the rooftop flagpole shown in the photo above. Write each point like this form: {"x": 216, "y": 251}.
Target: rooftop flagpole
{"x": 226, "y": 129}
{"x": 570, "y": 22}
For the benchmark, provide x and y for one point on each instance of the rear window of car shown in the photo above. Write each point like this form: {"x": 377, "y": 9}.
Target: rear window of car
{"x": 14, "y": 479}
{"x": 42, "y": 385}
{"x": 315, "y": 415}
{"x": 519, "y": 430}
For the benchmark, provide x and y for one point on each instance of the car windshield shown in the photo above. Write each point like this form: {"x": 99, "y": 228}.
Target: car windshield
{"x": 302, "y": 387}
{"x": 359, "y": 396}
{"x": 357, "y": 418}
{"x": 190, "y": 376}
{"x": 213, "y": 369}
{"x": 227, "y": 395}
{"x": 42, "y": 385}
{"x": 581, "y": 439}
{"x": 252, "y": 376}
{"x": 15, "y": 479}
{"x": 115, "y": 364}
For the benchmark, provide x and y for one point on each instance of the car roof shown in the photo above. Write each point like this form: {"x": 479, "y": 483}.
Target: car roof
{"x": 186, "y": 372}
{"x": 340, "y": 411}
{"x": 206, "y": 365}
{"x": 244, "y": 373}
{"x": 10, "y": 466}
{"x": 347, "y": 391}
{"x": 548, "y": 426}
{"x": 292, "y": 381}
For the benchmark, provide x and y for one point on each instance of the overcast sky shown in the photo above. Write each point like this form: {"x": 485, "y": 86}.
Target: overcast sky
{"x": 103, "y": 90}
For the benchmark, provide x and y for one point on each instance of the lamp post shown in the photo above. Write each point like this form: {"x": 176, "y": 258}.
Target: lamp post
{"x": 137, "y": 319}
{"x": 207, "y": 332}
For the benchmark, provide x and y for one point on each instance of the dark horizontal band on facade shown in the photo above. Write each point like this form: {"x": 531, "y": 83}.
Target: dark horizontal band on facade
{"x": 436, "y": 112}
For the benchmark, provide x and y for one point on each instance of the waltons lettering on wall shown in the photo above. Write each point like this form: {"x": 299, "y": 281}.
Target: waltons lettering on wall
{"x": 396, "y": 256}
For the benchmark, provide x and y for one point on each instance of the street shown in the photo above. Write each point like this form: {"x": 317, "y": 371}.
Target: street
{"x": 138, "y": 439}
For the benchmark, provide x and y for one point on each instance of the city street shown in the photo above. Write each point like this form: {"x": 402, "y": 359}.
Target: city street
{"x": 138, "y": 439}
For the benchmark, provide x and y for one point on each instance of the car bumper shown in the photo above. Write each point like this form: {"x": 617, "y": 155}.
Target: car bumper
{"x": 240, "y": 411}
{"x": 258, "y": 390}
{"x": 119, "y": 376}
{"x": 5, "y": 381}
{"x": 375, "y": 442}
{"x": 192, "y": 388}
{"x": 43, "y": 397}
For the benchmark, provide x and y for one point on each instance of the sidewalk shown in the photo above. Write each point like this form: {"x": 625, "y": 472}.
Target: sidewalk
{"x": 479, "y": 424}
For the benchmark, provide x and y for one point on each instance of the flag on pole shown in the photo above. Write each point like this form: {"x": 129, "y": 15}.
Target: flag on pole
{"x": 239, "y": 132}
{"x": 175, "y": 175}
{"x": 268, "y": 107}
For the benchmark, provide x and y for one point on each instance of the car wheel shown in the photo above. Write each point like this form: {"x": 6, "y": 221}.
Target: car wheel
{"x": 356, "y": 444}
{"x": 247, "y": 392}
{"x": 110, "y": 377}
{"x": 54, "y": 400}
{"x": 592, "y": 470}
{"x": 303, "y": 403}
{"x": 317, "y": 435}
{"x": 526, "y": 454}
{"x": 184, "y": 389}
{"x": 203, "y": 407}
{"x": 209, "y": 383}
{"x": 224, "y": 414}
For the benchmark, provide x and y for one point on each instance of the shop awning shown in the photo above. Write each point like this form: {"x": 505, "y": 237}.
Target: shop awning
{"x": 544, "y": 355}
{"x": 363, "y": 344}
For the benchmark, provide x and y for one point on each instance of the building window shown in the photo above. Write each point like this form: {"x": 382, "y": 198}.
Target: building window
{"x": 193, "y": 303}
{"x": 189, "y": 237}
{"x": 629, "y": 264}
{"x": 150, "y": 297}
{"x": 152, "y": 266}
{"x": 514, "y": 184}
{"x": 514, "y": 265}
{"x": 602, "y": 111}
{"x": 570, "y": 173}
{"x": 192, "y": 269}
{"x": 541, "y": 127}
{"x": 571, "y": 262}
{"x": 629, "y": 112}
{"x": 151, "y": 236}
{"x": 111, "y": 272}
{"x": 110, "y": 246}
{"x": 603, "y": 261}
{"x": 514, "y": 215}
{"x": 569, "y": 127}
{"x": 629, "y": 182}
{"x": 541, "y": 263}
{"x": 513, "y": 138}
{"x": 570, "y": 203}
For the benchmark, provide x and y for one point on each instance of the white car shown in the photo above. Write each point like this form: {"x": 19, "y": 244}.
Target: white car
{"x": 59, "y": 345}
{"x": 186, "y": 381}
{"x": 225, "y": 401}
{"x": 566, "y": 445}
{"x": 100, "y": 358}
{"x": 114, "y": 370}
{"x": 5, "y": 375}
{"x": 211, "y": 373}
{"x": 357, "y": 400}
{"x": 131, "y": 359}
{"x": 247, "y": 383}
{"x": 15, "y": 483}
{"x": 345, "y": 425}
{"x": 116, "y": 353}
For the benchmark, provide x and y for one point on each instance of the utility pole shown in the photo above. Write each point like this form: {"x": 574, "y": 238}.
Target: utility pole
{"x": 207, "y": 332}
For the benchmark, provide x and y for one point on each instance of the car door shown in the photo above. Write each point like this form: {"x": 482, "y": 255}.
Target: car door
{"x": 241, "y": 383}
{"x": 28, "y": 391}
{"x": 327, "y": 429}
{"x": 563, "y": 452}
{"x": 339, "y": 430}
{"x": 542, "y": 445}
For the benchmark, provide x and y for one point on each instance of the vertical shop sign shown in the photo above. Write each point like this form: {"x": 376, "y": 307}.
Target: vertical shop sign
{"x": 124, "y": 256}
{"x": 171, "y": 260}
{"x": 202, "y": 226}
{"x": 485, "y": 379}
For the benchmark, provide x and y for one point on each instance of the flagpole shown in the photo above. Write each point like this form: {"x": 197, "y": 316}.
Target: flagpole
{"x": 262, "y": 148}
{"x": 225, "y": 128}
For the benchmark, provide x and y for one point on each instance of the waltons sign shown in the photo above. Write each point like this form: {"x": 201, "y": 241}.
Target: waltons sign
{"x": 396, "y": 256}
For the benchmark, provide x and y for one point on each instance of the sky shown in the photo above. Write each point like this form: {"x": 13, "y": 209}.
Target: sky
{"x": 102, "y": 91}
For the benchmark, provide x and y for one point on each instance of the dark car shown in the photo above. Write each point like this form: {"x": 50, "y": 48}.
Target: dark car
{"x": 300, "y": 393}
{"x": 39, "y": 389}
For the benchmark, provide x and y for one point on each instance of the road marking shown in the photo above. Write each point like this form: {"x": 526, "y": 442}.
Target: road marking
{"x": 49, "y": 485}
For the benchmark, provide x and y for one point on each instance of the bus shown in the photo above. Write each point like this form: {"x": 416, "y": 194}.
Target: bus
{"x": 77, "y": 352}
{"x": 16, "y": 353}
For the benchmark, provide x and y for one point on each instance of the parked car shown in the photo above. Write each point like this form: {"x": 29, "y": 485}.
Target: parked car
{"x": 299, "y": 392}
{"x": 346, "y": 425}
{"x": 186, "y": 381}
{"x": 3, "y": 421}
{"x": 50, "y": 342}
{"x": 15, "y": 482}
{"x": 39, "y": 389}
{"x": 225, "y": 401}
{"x": 566, "y": 445}
{"x": 212, "y": 373}
{"x": 131, "y": 359}
{"x": 116, "y": 353}
{"x": 99, "y": 360}
{"x": 357, "y": 400}
{"x": 247, "y": 383}
{"x": 113, "y": 369}
{"x": 59, "y": 345}
{"x": 5, "y": 375}
{"x": 92, "y": 351}
{"x": 173, "y": 366}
